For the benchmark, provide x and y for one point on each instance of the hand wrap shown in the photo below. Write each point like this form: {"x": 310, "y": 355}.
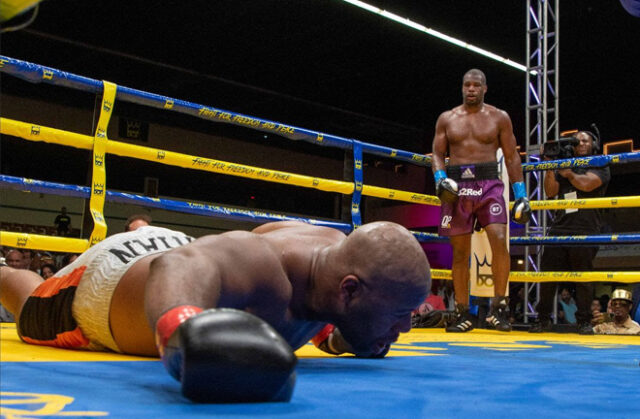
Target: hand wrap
{"x": 521, "y": 211}
{"x": 446, "y": 188}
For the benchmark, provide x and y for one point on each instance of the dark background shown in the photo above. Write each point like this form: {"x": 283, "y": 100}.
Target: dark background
{"x": 329, "y": 66}
{"x": 301, "y": 61}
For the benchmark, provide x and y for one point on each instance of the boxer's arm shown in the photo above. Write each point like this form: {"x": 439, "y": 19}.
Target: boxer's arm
{"x": 185, "y": 276}
{"x": 277, "y": 225}
{"x": 439, "y": 146}
{"x": 507, "y": 141}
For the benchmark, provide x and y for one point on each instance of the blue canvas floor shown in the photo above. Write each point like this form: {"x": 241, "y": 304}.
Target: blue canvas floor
{"x": 428, "y": 374}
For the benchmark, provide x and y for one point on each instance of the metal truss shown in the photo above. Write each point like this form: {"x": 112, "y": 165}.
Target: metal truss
{"x": 541, "y": 120}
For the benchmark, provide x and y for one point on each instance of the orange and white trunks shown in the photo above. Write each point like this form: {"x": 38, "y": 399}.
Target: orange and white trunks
{"x": 71, "y": 309}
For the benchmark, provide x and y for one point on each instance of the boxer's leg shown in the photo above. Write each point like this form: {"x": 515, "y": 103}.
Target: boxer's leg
{"x": 460, "y": 272}
{"x": 500, "y": 262}
{"x": 500, "y": 267}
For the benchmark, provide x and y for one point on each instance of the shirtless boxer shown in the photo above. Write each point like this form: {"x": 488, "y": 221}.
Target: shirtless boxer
{"x": 471, "y": 191}
{"x": 225, "y": 311}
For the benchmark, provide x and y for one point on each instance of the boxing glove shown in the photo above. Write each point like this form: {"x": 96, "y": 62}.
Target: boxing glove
{"x": 521, "y": 211}
{"x": 330, "y": 340}
{"x": 226, "y": 356}
{"x": 446, "y": 188}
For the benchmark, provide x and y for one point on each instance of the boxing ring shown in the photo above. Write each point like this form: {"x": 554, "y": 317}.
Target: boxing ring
{"x": 427, "y": 372}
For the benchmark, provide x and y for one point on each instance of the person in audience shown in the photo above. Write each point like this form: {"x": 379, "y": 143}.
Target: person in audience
{"x": 68, "y": 258}
{"x": 48, "y": 270}
{"x": 566, "y": 307}
{"x": 15, "y": 259}
{"x": 63, "y": 222}
{"x": 618, "y": 322}
{"x": 596, "y": 305}
{"x": 136, "y": 221}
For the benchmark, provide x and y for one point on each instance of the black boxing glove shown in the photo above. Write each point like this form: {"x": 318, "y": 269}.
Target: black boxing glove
{"x": 446, "y": 188}
{"x": 225, "y": 356}
{"x": 521, "y": 211}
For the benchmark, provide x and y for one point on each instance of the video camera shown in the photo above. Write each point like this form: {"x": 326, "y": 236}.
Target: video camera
{"x": 562, "y": 148}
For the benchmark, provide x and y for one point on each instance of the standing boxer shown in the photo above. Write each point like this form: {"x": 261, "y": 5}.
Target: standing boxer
{"x": 471, "y": 191}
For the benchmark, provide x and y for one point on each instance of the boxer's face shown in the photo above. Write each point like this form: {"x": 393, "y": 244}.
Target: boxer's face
{"x": 376, "y": 320}
{"x": 473, "y": 89}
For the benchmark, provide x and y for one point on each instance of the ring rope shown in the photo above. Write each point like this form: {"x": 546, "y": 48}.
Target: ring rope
{"x": 52, "y": 135}
{"x": 218, "y": 211}
{"x": 588, "y": 203}
{"x": 587, "y": 240}
{"x": 238, "y": 214}
{"x": 35, "y": 73}
{"x": 589, "y": 161}
{"x": 550, "y": 276}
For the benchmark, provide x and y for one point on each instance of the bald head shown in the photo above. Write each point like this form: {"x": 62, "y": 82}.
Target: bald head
{"x": 387, "y": 255}
{"x": 384, "y": 276}
{"x": 15, "y": 259}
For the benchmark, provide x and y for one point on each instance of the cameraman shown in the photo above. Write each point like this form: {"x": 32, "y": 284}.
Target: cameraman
{"x": 573, "y": 183}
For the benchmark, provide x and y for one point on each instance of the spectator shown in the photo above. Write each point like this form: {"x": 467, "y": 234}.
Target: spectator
{"x": 136, "y": 221}
{"x": 63, "y": 222}
{"x": 15, "y": 259}
{"x": 68, "y": 258}
{"x": 567, "y": 307}
{"x": 619, "y": 322}
{"x": 48, "y": 270}
{"x": 47, "y": 258}
{"x": 31, "y": 260}
{"x": 596, "y": 305}
{"x": 572, "y": 183}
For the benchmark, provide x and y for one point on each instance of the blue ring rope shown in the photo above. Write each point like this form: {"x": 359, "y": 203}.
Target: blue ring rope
{"x": 17, "y": 183}
{"x": 35, "y": 73}
{"x": 75, "y": 191}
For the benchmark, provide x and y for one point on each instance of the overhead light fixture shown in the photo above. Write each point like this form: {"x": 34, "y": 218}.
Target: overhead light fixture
{"x": 439, "y": 35}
